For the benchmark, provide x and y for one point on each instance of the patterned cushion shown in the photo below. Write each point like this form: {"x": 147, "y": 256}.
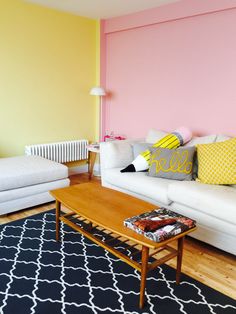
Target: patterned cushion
{"x": 175, "y": 164}
{"x": 217, "y": 162}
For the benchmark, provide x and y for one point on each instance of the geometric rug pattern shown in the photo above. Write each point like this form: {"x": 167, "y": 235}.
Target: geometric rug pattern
{"x": 41, "y": 276}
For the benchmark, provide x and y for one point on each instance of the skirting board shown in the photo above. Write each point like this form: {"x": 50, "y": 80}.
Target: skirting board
{"x": 84, "y": 169}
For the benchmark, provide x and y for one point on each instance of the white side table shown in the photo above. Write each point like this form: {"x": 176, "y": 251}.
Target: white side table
{"x": 93, "y": 150}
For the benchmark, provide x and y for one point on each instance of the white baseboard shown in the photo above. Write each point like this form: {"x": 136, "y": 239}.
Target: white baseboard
{"x": 84, "y": 169}
{"x": 78, "y": 169}
{"x": 96, "y": 170}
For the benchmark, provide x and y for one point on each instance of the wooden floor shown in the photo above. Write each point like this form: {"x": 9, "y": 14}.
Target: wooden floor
{"x": 205, "y": 263}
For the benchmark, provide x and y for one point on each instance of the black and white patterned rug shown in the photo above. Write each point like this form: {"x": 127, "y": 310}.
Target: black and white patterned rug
{"x": 39, "y": 275}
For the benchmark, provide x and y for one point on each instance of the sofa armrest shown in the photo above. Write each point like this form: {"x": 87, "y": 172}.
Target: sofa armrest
{"x": 116, "y": 154}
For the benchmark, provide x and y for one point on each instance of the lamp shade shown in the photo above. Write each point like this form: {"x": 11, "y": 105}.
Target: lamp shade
{"x": 97, "y": 91}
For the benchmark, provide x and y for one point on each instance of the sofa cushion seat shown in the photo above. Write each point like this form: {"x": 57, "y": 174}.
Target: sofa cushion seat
{"x": 203, "y": 219}
{"x": 17, "y": 172}
{"x": 214, "y": 200}
{"x": 15, "y": 194}
{"x": 139, "y": 182}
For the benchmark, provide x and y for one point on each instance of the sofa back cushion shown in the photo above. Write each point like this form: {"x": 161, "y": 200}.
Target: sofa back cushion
{"x": 138, "y": 148}
{"x": 115, "y": 154}
{"x": 222, "y": 138}
{"x": 201, "y": 140}
{"x": 154, "y": 135}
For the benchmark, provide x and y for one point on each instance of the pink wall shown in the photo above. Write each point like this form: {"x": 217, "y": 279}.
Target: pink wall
{"x": 170, "y": 66}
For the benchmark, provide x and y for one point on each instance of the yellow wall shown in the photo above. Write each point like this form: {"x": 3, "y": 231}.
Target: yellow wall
{"x": 48, "y": 63}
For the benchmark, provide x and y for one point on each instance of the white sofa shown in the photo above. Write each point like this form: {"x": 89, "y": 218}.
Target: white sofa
{"x": 212, "y": 206}
{"x": 26, "y": 180}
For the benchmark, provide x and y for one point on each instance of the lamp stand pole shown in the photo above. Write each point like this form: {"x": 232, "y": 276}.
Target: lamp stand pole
{"x": 100, "y": 120}
{"x": 99, "y": 91}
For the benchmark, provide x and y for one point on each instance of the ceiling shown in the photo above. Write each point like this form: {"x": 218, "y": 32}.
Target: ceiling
{"x": 101, "y": 9}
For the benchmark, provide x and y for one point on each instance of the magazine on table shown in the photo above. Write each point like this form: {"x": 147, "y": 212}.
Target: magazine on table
{"x": 159, "y": 224}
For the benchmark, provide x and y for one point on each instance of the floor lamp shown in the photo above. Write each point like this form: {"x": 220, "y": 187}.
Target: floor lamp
{"x": 99, "y": 91}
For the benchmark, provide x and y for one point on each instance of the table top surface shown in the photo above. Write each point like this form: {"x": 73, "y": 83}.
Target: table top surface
{"x": 108, "y": 208}
{"x": 93, "y": 148}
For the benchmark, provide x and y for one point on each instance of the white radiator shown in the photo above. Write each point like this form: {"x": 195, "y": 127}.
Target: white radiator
{"x": 61, "y": 151}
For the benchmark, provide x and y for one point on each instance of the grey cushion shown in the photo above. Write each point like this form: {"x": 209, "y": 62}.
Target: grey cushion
{"x": 16, "y": 172}
{"x": 175, "y": 164}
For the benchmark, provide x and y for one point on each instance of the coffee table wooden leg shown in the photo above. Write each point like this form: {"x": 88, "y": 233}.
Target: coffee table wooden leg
{"x": 179, "y": 259}
{"x": 58, "y": 212}
{"x": 92, "y": 158}
{"x": 144, "y": 269}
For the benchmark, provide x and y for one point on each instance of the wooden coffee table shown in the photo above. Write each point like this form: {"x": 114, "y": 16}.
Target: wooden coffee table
{"x": 99, "y": 208}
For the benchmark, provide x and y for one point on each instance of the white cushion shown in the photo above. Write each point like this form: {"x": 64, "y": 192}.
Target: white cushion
{"x": 222, "y": 138}
{"x": 16, "y": 172}
{"x": 212, "y": 230}
{"x": 116, "y": 154}
{"x": 138, "y": 148}
{"x": 14, "y": 194}
{"x": 203, "y": 219}
{"x": 214, "y": 200}
{"x": 139, "y": 182}
{"x": 25, "y": 202}
{"x": 154, "y": 135}
{"x": 201, "y": 140}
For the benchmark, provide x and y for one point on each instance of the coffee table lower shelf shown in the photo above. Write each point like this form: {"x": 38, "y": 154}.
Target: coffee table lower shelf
{"x": 147, "y": 259}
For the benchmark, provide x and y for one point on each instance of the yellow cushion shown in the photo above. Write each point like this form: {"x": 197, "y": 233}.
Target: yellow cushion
{"x": 217, "y": 162}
